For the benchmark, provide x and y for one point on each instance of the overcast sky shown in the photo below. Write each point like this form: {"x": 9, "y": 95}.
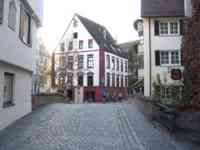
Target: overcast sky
{"x": 116, "y": 15}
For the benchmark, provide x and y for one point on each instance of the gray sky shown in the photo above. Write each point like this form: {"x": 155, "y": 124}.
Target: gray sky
{"x": 116, "y": 15}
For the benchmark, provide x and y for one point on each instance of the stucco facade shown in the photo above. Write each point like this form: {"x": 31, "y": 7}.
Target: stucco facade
{"x": 76, "y": 42}
{"x": 16, "y": 60}
{"x": 152, "y": 43}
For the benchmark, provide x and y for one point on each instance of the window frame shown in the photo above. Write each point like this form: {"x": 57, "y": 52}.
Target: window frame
{"x": 80, "y": 61}
{"x": 1, "y": 12}
{"x": 90, "y": 61}
{"x": 113, "y": 62}
{"x": 9, "y": 103}
{"x": 169, "y": 29}
{"x": 12, "y": 14}
{"x": 90, "y": 43}
{"x": 23, "y": 11}
{"x": 81, "y": 44}
{"x": 108, "y": 79}
{"x": 108, "y": 61}
{"x": 75, "y": 35}
{"x": 90, "y": 75}
{"x": 70, "y": 62}
{"x": 170, "y": 58}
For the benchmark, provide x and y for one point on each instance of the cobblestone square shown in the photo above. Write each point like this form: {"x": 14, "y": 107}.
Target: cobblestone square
{"x": 85, "y": 127}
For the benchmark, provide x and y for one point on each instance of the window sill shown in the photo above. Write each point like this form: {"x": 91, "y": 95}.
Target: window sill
{"x": 169, "y": 35}
{"x": 8, "y": 104}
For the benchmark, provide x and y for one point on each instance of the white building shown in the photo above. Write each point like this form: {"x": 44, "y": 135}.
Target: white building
{"x": 19, "y": 20}
{"x": 94, "y": 61}
{"x": 163, "y": 28}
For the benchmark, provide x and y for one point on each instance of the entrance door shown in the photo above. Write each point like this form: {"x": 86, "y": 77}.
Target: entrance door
{"x": 8, "y": 87}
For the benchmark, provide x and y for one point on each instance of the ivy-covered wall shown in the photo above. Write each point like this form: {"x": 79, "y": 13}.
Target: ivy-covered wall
{"x": 191, "y": 56}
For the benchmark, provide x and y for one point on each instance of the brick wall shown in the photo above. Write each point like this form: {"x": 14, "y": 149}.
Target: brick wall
{"x": 191, "y": 55}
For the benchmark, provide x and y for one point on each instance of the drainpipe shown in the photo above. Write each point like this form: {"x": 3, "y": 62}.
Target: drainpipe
{"x": 150, "y": 58}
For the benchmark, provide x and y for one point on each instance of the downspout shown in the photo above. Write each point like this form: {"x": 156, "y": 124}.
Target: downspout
{"x": 150, "y": 67}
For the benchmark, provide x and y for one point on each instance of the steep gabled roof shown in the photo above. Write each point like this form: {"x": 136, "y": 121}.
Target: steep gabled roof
{"x": 101, "y": 35}
{"x": 162, "y": 8}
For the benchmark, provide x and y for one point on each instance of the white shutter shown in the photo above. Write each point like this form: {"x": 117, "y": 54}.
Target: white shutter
{"x": 1, "y": 11}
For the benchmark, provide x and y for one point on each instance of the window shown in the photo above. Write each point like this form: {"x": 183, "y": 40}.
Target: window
{"x": 126, "y": 66}
{"x": 62, "y": 61}
{"x": 113, "y": 80}
{"x": 90, "y": 79}
{"x": 122, "y": 66}
{"x": 25, "y": 27}
{"x": 8, "y": 91}
{"x": 164, "y": 58}
{"x": 75, "y": 23}
{"x": 168, "y": 28}
{"x": 70, "y": 62}
{"x": 117, "y": 64}
{"x": 164, "y": 28}
{"x": 12, "y": 15}
{"x": 80, "y": 79}
{"x": 166, "y": 92}
{"x": 1, "y": 11}
{"x": 70, "y": 45}
{"x": 62, "y": 46}
{"x": 113, "y": 63}
{"x": 170, "y": 57}
{"x": 122, "y": 80}
{"x": 70, "y": 78}
{"x": 81, "y": 44}
{"x": 75, "y": 35}
{"x": 90, "y": 61}
{"x": 174, "y": 27}
{"x": 141, "y": 62}
{"x": 80, "y": 61}
{"x": 175, "y": 58}
{"x": 108, "y": 79}
{"x": 117, "y": 80}
{"x": 108, "y": 61}
{"x": 126, "y": 81}
{"x": 90, "y": 43}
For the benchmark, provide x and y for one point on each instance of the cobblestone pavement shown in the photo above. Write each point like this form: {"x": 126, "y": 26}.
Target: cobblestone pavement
{"x": 85, "y": 127}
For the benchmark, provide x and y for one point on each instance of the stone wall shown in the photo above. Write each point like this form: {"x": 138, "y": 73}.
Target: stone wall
{"x": 191, "y": 56}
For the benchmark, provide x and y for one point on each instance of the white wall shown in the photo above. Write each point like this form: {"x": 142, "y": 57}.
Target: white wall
{"x": 95, "y": 70}
{"x": 12, "y": 49}
{"x": 22, "y": 95}
{"x": 115, "y": 71}
{"x": 84, "y": 35}
{"x": 157, "y": 43}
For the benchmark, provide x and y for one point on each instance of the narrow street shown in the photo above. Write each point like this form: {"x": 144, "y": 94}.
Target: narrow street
{"x": 85, "y": 127}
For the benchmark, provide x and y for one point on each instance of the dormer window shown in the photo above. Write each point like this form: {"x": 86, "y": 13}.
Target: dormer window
{"x": 12, "y": 15}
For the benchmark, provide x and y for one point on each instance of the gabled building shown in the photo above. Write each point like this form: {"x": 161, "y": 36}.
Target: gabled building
{"x": 163, "y": 29}
{"x": 94, "y": 61}
{"x": 19, "y": 21}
